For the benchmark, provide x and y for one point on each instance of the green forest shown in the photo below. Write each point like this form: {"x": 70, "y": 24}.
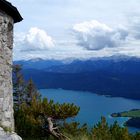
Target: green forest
{"x": 38, "y": 118}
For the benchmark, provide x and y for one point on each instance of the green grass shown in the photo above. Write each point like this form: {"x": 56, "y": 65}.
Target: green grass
{"x": 131, "y": 113}
{"x": 135, "y": 113}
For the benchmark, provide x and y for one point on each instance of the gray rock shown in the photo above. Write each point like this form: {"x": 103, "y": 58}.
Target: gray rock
{"x": 8, "y": 136}
{"x": 14, "y": 136}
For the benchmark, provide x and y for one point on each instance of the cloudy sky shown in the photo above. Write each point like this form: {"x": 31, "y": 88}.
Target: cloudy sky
{"x": 60, "y": 29}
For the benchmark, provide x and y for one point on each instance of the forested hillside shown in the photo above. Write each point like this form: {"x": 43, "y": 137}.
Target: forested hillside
{"x": 110, "y": 76}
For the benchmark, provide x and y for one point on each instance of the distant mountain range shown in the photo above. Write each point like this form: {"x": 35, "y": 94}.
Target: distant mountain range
{"x": 115, "y": 76}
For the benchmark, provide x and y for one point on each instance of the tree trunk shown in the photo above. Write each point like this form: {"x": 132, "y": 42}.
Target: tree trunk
{"x": 54, "y": 130}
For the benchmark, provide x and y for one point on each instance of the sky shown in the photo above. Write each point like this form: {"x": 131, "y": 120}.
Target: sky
{"x": 76, "y": 29}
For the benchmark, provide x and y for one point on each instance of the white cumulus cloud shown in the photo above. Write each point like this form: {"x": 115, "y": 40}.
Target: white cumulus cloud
{"x": 35, "y": 39}
{"x": 94, "y": 35}
{"x": 134, "y": 26}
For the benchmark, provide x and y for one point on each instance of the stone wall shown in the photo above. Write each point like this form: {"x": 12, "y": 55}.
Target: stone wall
{"x": 6, "y": 97}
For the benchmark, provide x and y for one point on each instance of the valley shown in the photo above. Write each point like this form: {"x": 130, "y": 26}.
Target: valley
{"x": 115, "y": 76}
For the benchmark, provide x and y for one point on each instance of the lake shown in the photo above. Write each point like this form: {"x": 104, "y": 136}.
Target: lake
{"x": 93, "y": 106}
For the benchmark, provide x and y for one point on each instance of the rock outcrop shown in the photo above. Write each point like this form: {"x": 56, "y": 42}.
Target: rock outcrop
{"x": 8, "y": 135}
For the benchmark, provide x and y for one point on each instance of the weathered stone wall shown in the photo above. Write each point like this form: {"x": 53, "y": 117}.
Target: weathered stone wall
{"x": 6, "y": 97}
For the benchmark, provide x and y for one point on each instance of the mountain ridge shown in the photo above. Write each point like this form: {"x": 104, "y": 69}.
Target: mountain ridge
{"x": 119, "y": 77}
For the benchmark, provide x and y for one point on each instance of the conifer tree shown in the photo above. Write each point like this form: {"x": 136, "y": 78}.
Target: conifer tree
{"x": 18, "y": 86}
{"x": 101, "y": 130}
{"x": 31, "y": 92}
{"x": 35, "y": 116}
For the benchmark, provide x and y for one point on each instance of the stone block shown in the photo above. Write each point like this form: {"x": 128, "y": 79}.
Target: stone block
{"x": 7, "y": 114}
{"x": 6, "y": 123}
{"x": 1, "y": 93}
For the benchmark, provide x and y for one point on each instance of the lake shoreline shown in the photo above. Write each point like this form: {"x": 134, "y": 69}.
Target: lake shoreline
{"x": 97, "y": 93}
{"x": 95, "y": 105}
{"x": 133, "y": 115}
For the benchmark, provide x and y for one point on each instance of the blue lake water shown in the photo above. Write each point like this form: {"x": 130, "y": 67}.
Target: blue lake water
{"x": 92, "y": 106}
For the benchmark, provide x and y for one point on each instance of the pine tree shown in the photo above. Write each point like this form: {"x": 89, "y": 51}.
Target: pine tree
{"x": 18, "y": 86}
{"x": 31, "y": 92}
{"x": 101, "y": 130}
{"x": 35, "y": 116}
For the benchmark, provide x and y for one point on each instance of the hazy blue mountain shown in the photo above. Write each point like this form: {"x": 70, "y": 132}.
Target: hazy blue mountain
{"x": 121, "y": 66}
{"x": 115, "y": 76}
{"x": 115, "y": 64}
{"x": 38, "y": 63}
